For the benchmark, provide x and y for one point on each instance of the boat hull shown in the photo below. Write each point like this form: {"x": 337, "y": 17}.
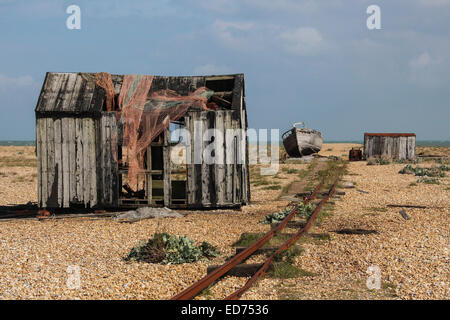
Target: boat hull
{"x": 302, "y": 142}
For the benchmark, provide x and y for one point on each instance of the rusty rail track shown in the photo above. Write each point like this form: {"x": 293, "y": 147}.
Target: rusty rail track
{"x": 237, "y": 294}
{"x": 206, "y": 281}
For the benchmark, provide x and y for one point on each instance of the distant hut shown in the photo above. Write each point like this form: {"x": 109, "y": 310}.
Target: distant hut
{"x": 400, "y": 146}
{"x": 105, "y": 141}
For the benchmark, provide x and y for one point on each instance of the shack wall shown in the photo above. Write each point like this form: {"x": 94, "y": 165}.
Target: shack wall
{"x": 400, "y": 147}
{"x": 224, "y": 182}
{"x": 77, "y": 143}
{"x": 75, "y": 161}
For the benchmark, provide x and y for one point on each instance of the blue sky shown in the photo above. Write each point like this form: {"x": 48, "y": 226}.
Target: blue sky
{"x": 313, "y": 61}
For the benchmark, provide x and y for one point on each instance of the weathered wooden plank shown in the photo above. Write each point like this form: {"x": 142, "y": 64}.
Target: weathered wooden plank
{"x": 58, "y": 161}
{"x": 65, "y": 155}
{"x": 61, "y": 96}
{"x": 72, "y": 159}
{"x": 402, "y": 148}
{"x": 87, "y": 96}
{"x": 220, "y": 158}
{"x": 39, "y": 165}
{"x": 104, "y": 160}
{"x": 237, "y": 92}
{"x": 190, "y": 185}
{"x": 205, "y": 178}
{"x": 229, "y": 158}
{"x": 77, "y": 92}
{"x": 195, "y": 168}
{"x": 98, "y": 161}
{"x": 52, "y": 188}
{"x": 68, "y": 92}
{"x": 109, "y": 167}
{"x": 79, "y": 160}
{"x": 52, "y": 90}
{"x": 92, "y": 162}
{"x": 149, "y": 176}
{"x": 86, "y": 173}
{"x": 42, "y": 100}
{"x": 114, "y": 162}
{"x": 107, "y": 164}
{"x": 411, "y": 147}
{"x": 237, "y": 166}
{"x": 41, "y": 135}
{"x": 240, "y": 270}
{"x": 245, "y": 180}
{"x": 167, "y": 173}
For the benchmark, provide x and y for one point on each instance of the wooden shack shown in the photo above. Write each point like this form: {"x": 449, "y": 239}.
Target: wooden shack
{"x": 399, "y": 146}
{"x": 82, "y": 155}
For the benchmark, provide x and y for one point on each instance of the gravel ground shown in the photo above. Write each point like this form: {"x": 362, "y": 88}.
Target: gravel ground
{"x": 411, "y": 254}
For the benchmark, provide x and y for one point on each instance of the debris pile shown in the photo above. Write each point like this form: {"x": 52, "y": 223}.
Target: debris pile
{"x": 169, "y": 249}
{"x": 146, "y": 213}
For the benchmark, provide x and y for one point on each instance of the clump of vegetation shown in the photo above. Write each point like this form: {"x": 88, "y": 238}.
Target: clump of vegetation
{"x": 290, "y": 171}
{"x": 261, "y": 183}
{"x": 276, "y": 217}
{"x": 428, "y": 180}
{"x": 443, "y": 161}
{"x": 285, "y": 270}
{"x": 304, "y": 210}
{"x": 17, "y": 162}
{"x": 288, "y": 255}
{"x": 422, "y": 172}
{"x": 247, "y": 239}
{"x": 283, "y": 264}
{"x": 169, "y": 249}
{"x": 377, "y": 161}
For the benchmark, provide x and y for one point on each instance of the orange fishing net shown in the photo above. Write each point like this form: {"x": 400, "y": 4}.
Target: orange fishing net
{"x": 103, "y": 79}
{"x": 145, "y": 116}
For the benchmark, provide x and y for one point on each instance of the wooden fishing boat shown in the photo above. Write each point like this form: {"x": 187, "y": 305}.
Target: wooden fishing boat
{"x": 300, "y": 142}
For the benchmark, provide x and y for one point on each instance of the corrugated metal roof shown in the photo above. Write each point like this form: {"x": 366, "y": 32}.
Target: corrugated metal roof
{"x": 390, "y": 134}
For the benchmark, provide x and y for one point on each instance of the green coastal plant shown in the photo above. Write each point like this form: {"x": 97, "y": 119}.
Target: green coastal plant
{"x": 169, "y": 249}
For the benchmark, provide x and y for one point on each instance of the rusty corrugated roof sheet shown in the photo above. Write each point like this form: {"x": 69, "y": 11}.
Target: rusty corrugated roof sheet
{"x": 390, "y": 134}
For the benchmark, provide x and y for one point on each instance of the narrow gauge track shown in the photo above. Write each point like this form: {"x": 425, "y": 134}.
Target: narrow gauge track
{"x": 209, "y": 279}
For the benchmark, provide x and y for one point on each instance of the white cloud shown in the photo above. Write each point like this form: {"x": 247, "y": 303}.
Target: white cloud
{"x": 211, "y": 69}
{"x": 302, "y": 41}
{"x": 234, "y": 34}
{"x": 11, "y": 82}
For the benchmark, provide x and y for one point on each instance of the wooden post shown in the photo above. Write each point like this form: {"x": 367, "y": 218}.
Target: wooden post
{"x": 166, "y": 161}
{"x": 149, "y": 175}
